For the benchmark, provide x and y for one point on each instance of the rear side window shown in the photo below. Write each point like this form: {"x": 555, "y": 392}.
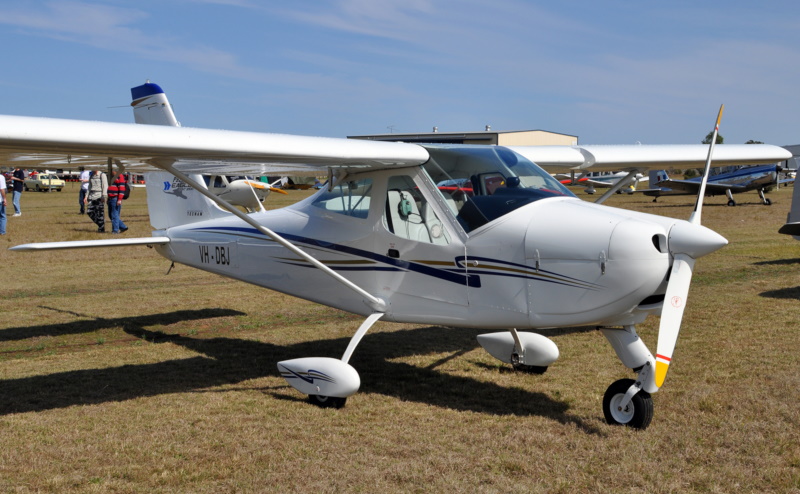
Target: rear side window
{"x": 347, "y": 198}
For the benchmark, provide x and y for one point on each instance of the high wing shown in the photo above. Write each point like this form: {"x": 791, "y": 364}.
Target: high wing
{"x": 643, "y": 157}
{"x": 37, "y": 142}
{"x": 32, "y": 142}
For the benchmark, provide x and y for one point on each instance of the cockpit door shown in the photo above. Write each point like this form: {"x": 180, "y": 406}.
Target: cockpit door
{"x": 422, "y": 244}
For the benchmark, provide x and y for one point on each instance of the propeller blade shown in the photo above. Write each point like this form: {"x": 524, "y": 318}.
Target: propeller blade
{"x": 698, "y": 206}
{"x": 697, "y": 241}
{"x": 672, "y": 313}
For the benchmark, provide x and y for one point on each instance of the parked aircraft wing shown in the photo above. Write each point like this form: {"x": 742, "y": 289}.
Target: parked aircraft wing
{"x": 641, "y": 157}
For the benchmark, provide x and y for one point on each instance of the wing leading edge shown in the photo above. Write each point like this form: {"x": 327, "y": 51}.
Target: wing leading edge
{"x": 32, "y": 141}
{"x": 643, "y": 157}
{"x": 37, "y": 142}
{"x": 86, "y": 244}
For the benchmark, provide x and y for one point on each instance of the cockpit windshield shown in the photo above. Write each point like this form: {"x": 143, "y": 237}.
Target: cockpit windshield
{"x": 483, "y": 183}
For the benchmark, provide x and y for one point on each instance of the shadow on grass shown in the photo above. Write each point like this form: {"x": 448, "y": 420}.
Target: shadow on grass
{"x": 98, "y": 323}
{"x": 779, "y": 262}
{"x": 783, "y": 293}
{"x": 226, "y": 361}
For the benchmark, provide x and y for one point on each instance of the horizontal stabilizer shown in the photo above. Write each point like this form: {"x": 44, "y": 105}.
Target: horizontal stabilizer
{"x": 88, "y": 244}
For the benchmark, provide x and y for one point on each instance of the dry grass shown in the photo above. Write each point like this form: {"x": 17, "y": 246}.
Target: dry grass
{"x": 117, "y": 378}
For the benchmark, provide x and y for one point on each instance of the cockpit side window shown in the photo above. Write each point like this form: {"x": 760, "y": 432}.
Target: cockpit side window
{"x": 409, "y": 215}
{"x": 348, "y": 198}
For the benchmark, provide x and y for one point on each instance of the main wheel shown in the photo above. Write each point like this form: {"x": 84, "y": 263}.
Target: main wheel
{"x": 530, "y": 369}
{"x": 327, "y": 401}
{"x": 731, "y": 203}
{"x": 767, "y": 202}
{"x": 637, "y": 414}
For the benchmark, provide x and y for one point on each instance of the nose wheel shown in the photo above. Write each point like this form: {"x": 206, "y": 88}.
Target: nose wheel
{"x": 636, "y": 414}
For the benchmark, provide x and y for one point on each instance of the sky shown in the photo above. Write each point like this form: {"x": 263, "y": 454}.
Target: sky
{"x": 611, "y": 72}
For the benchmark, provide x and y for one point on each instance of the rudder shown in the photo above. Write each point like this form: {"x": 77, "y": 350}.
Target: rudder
{"x": 172, "y": 202}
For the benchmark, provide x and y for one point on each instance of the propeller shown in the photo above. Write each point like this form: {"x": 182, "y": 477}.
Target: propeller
{"x": 687, "y": 242}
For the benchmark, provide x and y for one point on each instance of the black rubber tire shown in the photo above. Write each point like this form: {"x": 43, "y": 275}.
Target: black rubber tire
{"x": 731, "y": 203}
{"x": 530, "y": 369}
{"x": 638, "y": 413}
{"x": 327, "y": 401}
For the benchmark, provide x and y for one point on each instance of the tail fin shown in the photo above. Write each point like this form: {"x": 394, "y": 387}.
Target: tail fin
{"x": 150, "y": 106}
{"x": 657, "y": 176}
{"x": 172, "y": 202}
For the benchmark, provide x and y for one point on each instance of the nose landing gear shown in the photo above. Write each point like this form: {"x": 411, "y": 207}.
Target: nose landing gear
{"x": 637, "y": 413}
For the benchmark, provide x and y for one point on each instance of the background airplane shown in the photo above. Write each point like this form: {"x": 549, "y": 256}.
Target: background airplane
{"x": 728, "y": 181}
{"x": 594, "y": 180}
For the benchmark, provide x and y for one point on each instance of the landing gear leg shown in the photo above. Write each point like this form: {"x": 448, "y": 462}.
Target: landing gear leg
{"x": 517, "y": 357}
{"x": 765, "y": 200}
{"x": 327, "y": 381}
{"x": 731, "y": 202}
{"x": 628, "y": 402}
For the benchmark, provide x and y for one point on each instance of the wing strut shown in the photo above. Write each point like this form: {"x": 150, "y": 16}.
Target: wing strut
{"x": 375, "y": 303}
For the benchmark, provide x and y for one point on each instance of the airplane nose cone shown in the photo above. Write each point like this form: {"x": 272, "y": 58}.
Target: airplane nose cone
{"x": 694, "y": 240}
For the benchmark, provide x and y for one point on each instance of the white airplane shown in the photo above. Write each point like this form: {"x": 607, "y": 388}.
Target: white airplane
{"x": 382, "y": 240}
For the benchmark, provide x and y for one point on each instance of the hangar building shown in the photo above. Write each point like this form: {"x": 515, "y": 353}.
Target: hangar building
{"x": 488, "y": 137}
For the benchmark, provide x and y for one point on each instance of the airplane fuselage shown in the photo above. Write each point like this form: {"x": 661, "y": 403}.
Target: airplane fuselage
{"x": 553, "y": 262}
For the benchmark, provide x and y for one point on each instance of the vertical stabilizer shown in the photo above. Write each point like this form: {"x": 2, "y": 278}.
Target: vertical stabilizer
{"x": 657, "y": 176}
{"x": 150, "y": 106}
{"x": 171, "y": 202}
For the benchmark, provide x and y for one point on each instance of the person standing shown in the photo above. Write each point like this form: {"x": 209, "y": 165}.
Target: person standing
{"x": 84, "y": 178}
{"x": 2, "y": 204}
{"x": 95, "y": 200}
{"x": 116, "y": 193}
{"x": 18, "y": 177}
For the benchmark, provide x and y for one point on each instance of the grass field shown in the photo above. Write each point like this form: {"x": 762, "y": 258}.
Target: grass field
{"x": 118, "y": 377}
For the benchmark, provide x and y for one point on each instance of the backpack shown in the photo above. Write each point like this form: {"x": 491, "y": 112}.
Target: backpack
{"x": 127, "y": 193}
